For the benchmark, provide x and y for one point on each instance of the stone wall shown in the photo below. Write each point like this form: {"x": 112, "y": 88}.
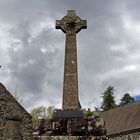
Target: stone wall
{"x": 64, "y": 138}
{"x": 129, "y": 136}
{"x": 15, "y": 122}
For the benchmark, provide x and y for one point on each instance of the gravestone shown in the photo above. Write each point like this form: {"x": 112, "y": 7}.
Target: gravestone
{"x": 71, "y": 24}
{"x": 15, "y": 121}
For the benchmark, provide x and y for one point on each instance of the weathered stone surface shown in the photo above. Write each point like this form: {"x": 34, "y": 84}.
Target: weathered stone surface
{"x": 70, "y": 24}
{"x": 65, "y": 138}
{"x": 129, "y": 136}
{"x": 15, "y": 122}
{"x": 123, "y": 121}
{"x": 12, "y": 130}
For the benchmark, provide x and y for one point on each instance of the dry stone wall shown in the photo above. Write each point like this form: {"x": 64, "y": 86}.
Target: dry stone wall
{"x": 15, "y": 121}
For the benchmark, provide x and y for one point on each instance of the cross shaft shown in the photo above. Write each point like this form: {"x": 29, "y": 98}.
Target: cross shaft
{"x": 70, "y": 25}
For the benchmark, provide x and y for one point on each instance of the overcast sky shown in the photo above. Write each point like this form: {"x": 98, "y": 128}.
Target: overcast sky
{"x": 32, "y": 50}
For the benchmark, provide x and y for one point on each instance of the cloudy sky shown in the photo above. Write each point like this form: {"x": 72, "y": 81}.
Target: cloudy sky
{"x": 32, "y": 50}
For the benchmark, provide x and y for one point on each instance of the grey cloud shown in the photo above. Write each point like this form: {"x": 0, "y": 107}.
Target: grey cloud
{"x": 104, "y": 49}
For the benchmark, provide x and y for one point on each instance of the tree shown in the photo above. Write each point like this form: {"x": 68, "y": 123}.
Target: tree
{"x": 41, "y": 112}
{"x": 88, "y": 113}
{"x": 108, "y": 99}
{"x": 17, "y": 97}
{"x": 50, "y": 112}
{"x": 126, "y": 99}
{"x": 36, "y": 113}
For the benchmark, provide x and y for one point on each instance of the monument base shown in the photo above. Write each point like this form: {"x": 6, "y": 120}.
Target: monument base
{"x": 65, "y": 138}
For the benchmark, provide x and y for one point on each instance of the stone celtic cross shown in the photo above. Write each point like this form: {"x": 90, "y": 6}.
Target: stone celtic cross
{"x": 70, "y": 25}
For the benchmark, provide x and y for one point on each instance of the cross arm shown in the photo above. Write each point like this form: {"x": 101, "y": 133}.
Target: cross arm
{"x": 58, "y": 24}
{"x": 83, "y": 24}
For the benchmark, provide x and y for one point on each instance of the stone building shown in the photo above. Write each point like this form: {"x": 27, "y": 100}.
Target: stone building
{"x": 15, "y": 121}
{"x": 123, "y": 123}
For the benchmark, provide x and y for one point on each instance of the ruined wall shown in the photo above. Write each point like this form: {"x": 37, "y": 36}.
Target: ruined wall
{"x": 131, "y": 136}
{"x": 14, "y": 120}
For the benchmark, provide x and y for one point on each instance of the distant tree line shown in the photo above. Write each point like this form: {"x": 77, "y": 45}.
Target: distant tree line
{"x": 41, "y": 112}
{"x": 109, "y": 99}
